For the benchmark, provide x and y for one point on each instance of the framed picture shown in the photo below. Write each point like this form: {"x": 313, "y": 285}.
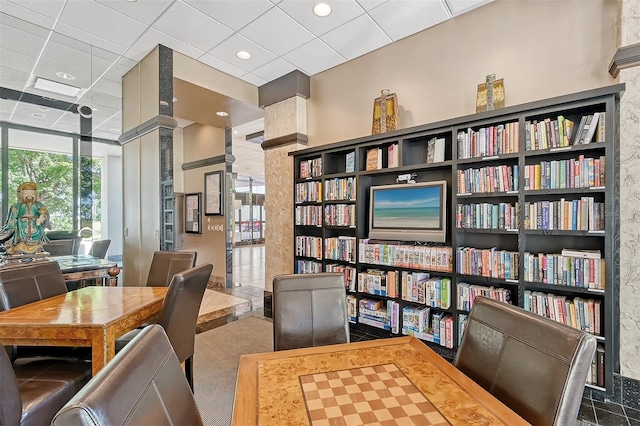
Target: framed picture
{"x": 213, "y": 184}
{"x": 192, "y": 216}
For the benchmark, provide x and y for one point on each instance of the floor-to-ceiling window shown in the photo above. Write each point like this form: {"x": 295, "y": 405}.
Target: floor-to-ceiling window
{"x": 249, "y": 215}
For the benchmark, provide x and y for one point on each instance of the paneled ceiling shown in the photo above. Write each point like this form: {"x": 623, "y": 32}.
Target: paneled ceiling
{"x": 97, "y": 41}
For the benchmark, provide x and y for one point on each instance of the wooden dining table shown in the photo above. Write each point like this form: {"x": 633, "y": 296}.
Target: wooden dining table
{"x": 391, "y": 381}
{"x": 91, "y": 316}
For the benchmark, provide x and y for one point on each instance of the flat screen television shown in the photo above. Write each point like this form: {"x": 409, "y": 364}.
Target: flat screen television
{"x": 408, "y": 211}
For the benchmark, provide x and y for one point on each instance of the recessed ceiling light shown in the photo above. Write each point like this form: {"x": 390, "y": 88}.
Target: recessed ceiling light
{"x": 65, "y": 75}
{"x": 243, "y": 55}
{"x": 37, "y": 115}
{"x": 222, "y": 113}
{"x": 55, "y": 87}
{"x": 322, "y": 9}
{"x": 43, "y": 109}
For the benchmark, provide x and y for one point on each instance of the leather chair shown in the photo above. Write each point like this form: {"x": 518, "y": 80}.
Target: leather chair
{"x": 142, "y": 385}
{"x": 534, "y": 365}
{"x": 165, "y": 264}
{"x": 179, "y": 314}
{"x": 62, "y": 247}
{"x": 32, "y": 393}
{"x": 309, "y": 310}
{"x": 99, "y": 248}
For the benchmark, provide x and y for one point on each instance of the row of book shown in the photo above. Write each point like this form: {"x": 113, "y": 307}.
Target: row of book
{"x": 415, "y": 319}
{"x": 349, "y": 273}
{"x": 501, "y": 178}
{"x": 440, "y": 330}
{"x": 309, "y": 246}
{"x": 580, "y": 313}
{"x": 467, "y": 294}
{"x": 435, "y": 150}
{"x": 311, "y": 168}
{"x": 489, "y": 141}
{"x": 596, "y": 376}
{"x": 340, "y": 189}
{"x": 340, "y": 215}
{"x": 304, "y": 266}
{"x": 380, "y": 283}
{"x": 584, "y": 214}
{"x": 308, "y": 215}
{"x": 340, "y": 248}
{"x": 308, "y": 191}
{"x": 493, "y": 263}
{"x": 548, "y": 133}
{"x": 574, "y": 268}
{"x": 373, "y": 312}
{"x": 487, "y": 216}
{"x": 419, "y": 287}
{"x": 578, "y": 172}
{"x": 433, "y": 258}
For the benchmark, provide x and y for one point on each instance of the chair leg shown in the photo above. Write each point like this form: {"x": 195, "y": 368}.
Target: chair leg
{"x": 188, "y": 371}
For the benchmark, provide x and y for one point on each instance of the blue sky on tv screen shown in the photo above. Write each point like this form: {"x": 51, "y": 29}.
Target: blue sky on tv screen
{"x": 408, "y": 197}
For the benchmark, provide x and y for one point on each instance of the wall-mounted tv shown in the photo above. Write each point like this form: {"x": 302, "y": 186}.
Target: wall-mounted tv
{"x": 408, "y": 211}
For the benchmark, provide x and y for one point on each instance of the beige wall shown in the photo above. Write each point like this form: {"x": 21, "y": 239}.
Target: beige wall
{"x": 200, "y": 142}
{"x": 541, "y": 49}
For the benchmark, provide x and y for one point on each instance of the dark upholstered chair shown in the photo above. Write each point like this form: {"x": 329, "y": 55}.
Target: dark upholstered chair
{"x": 179, "y": 314}
{"x": 309, "y": 310}
{"x": 32, "y": 393}
{"x": 62, "y": 247}
{"x": 165, "y": 264}
{"x": 534, "y": 365}
{"x": 99, "y": 248}
{"x": 142, "y": 385}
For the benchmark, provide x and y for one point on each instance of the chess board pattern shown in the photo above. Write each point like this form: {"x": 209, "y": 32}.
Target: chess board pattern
{"x": 379, "y": 394}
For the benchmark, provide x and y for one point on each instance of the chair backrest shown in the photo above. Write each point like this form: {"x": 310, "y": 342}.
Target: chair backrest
{"x": 62, "y": 247}
{"x": 99, "y": 248}
{"x": 28, "y": 283}
{"x": 10, "y": 400}
{"x": 534, "y": 365}
{"x": 142, "y": 385}
{"x": 179, "y": 314}
{"x": 309, "y": 310}
{"x": 165, "y": 264}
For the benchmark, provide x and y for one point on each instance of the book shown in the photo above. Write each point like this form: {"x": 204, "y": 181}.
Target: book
{"x": 350, "y": 162}
{"x": 435, "y": 150}
{"x": 584, "y": 254}
{"x": 374, "y": 159}
{"x": 591, "y": 129}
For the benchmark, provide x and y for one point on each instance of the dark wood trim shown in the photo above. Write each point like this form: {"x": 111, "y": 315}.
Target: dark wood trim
{"x": 285, "y": 140}
{"x": 148, "y": 126}
{"x": 625, "y": 57}
{"x": 218, "y": 159}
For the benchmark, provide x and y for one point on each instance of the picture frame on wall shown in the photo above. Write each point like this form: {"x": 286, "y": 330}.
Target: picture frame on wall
{"x": 192, "y": 216}
{"x": 213, "y": 199}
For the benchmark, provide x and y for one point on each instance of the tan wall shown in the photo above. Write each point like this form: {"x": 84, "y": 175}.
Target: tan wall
{"x": 541, "y": 49}
{"x": 202, "y": 142}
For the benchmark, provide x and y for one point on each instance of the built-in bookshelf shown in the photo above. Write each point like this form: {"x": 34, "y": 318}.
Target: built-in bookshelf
{"x": 532, "y": 219}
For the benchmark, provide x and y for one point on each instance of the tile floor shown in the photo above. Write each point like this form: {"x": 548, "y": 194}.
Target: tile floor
{"x": 247, "y": 298}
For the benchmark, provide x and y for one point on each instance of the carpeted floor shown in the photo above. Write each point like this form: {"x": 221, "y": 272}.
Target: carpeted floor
{"x": 215, "y": 367}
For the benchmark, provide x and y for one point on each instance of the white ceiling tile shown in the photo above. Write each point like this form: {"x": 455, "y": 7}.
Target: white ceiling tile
{"x": 22, "y": 41}
{"x": 253, "y": 79}
{"x": 151, "y": 38}
{"x": 221, "y": 65}
{"x": 13, "y": 79}
{"x": 42, "y": 13}
{"x": 401, "y": 18}
{"x": 92, "y": 39}
{"x": 228, "y": 48}
{"x": 302, "y": 11}
{"x": 146, "y": 11}
{"x": 107, "y": 86}
{"x": 459, "y": 7}
{"x": 232, "y": 13}
{"x": 120, "y": 68}
{"x": 370, "y": 4}
{"x": 274, "y": 69}
{"x": 314, "y": 57}
{"x": 134, "y": 55}
{"x": 102, "y": 22}
{"x": 357, "y": 37}
{"x": 191, "y": 26}
{"x": 16, "y": 60}
{"x": 112, "y": 101}
{"x": 81, "y": 72}
{"x": 276, "y": 32}
{"x": 26, "y": 26}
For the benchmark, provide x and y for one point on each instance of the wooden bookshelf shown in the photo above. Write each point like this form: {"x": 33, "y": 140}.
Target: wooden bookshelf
{"x": 524, "y": 183}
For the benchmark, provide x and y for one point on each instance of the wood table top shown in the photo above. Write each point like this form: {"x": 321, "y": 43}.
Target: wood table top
{"x": 97, "y": 306}
{"x": 270, "y": 385}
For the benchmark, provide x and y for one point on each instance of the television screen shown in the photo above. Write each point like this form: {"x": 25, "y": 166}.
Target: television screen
{"x": 408, "y": 211}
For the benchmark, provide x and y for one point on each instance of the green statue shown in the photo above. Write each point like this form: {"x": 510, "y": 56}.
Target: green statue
{"x": 24, "y": 229}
